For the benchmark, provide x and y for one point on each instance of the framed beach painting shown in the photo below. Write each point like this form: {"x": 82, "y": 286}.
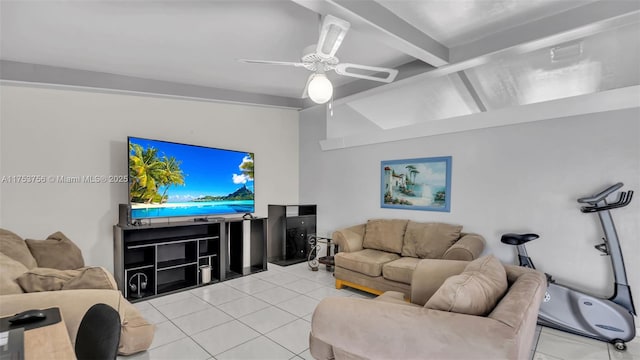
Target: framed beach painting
{"x": 416, "y": 184}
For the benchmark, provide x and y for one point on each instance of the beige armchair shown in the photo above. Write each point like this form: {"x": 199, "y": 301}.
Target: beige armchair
{"x": 387, "y": 327}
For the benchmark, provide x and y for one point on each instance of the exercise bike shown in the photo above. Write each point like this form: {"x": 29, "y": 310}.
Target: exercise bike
{"x": 571, "y": 310}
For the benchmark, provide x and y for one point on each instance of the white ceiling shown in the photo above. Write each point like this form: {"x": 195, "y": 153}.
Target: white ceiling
{"x": 189, "y": 42}
{"x": 197, "y": 43}
{"x": 457, "y": 22}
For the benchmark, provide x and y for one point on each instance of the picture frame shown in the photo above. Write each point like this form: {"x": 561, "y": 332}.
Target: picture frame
{"x": 416, "y": 184}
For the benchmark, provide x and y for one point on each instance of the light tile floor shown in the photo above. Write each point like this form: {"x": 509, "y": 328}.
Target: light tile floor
{"x": 268, "y": 316}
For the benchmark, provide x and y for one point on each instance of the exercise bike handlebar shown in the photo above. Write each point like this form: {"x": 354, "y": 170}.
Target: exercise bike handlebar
{"x": 602, "y": 195}
{"x": 623, "y": 200}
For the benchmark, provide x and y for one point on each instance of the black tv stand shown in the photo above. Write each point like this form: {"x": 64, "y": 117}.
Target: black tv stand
{"x": 169, "y": 255}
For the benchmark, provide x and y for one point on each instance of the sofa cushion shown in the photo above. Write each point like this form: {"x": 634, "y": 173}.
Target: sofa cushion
{"x": 400, "y": 270}
{"x": 14, "y": 247}
{"x": 429, "y": 240}
{"x": 10, "y": 270}
{"x": 475, "y": 291}
{"x": 56, "y": 252}
{"x": 385, "y": 235}
{"x": 366, "y": 261}
{"x": 46, "y": 279}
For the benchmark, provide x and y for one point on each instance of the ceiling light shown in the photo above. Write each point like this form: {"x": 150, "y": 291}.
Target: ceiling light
{"x": 320, "y": 89}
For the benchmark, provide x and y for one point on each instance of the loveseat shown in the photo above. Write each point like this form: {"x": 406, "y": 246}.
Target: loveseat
{"x": 454, "y": 313}
{"x": 38, "y": 274}
{"x": 381, "y": 254}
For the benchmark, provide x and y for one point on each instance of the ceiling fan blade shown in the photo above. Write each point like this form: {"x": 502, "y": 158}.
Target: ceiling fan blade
{"x": 374, "y": 73}
{"x": 269, "y": 62}
{"x": 331, "y": 35}
{"x": 305, "y": 92}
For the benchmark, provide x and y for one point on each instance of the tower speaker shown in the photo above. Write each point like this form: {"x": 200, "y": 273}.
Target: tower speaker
{"x": 125, "y": 215}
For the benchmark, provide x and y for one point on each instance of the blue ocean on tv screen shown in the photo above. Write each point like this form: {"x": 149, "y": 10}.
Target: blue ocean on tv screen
{"x": 178, "y": 180}
{"x": 202, "y": 209}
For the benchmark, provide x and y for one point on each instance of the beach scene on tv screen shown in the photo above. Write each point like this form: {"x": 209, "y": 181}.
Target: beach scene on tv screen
{"x": 169, "y": 179}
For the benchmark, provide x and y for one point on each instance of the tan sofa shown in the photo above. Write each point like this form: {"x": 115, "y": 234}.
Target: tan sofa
{"x": 390, "y": 328}
{"x": 381, "y": 255}
{"x": 38, "y": 274}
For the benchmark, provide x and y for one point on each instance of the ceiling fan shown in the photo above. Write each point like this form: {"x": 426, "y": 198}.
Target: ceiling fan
{"x": 321, "y": 58}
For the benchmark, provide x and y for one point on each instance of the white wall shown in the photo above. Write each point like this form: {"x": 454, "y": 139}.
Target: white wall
{"x": 520, "y": 178}
{"x": 46, "y": 131}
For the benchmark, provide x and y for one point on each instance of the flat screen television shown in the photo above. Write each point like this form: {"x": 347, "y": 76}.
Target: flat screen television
{"x": 169, "y": 179}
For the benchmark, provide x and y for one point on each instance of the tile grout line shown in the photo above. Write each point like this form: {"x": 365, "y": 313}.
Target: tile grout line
{"x": 277, "y": 307}
{"x": 191, "y": 337}
{"x": 177, "y": 327}
{"x": 234, "y": 318}
{"x": 259, "y": 336}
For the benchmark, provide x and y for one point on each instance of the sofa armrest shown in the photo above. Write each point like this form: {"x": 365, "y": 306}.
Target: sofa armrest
{"x": 136, "y": 333}
{"x": 467, "y": 248}
{"x": 526, "y": 291}
{"x": 430, "y": 274}
{"x": 349, "y": 239}
{"x": 110, "y": 278}
{"x": 366, "y": 329}
{"x": 519, "y": 307}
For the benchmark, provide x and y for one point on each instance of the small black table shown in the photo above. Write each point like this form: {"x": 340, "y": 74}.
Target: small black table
{"x": 327, "y": 260}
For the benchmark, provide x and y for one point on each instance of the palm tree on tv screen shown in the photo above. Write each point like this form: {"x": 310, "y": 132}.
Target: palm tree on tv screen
{"x": 171, "y": 174}
{"x": 247, "y": 167}
{"x": 148, "y": 173}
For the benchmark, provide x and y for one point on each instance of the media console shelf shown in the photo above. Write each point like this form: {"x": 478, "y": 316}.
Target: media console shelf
{"x": 157, "y": 259}
{"x": 289, "y": 230}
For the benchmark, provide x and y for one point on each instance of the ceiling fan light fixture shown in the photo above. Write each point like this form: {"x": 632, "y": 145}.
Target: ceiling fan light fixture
{"x": 323, "y": 59}
{"x": 320, "y": 89}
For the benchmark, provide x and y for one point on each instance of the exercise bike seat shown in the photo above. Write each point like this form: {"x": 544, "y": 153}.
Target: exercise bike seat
{"x": 517, "y": 239}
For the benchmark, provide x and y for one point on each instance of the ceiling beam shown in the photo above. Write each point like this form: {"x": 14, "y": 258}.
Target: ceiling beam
{"x": 472, "y": 91}
{"x": 577, "y": 23}
{"x": 25, "y": 73}
{"x": 566, "y": 26}
{"x": 610, "y": 100}
{"x": 373, "y": 18}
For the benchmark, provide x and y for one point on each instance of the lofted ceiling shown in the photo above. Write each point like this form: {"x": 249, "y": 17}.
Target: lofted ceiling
{"x": 455, "y": 58}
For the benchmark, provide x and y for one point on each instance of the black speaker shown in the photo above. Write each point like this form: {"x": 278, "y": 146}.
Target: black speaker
{"x": 124, "y": 215}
